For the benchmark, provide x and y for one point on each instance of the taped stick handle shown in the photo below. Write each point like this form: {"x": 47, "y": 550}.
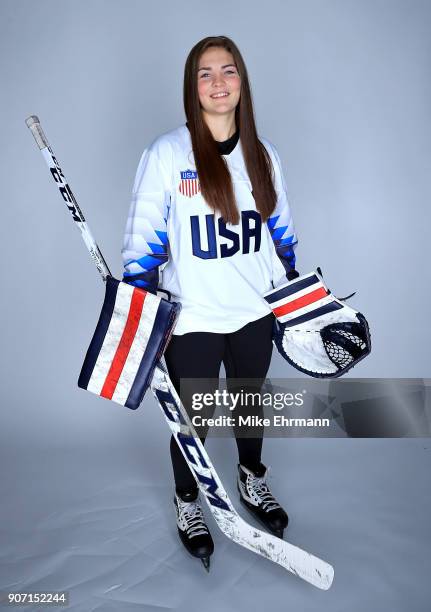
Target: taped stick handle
{"x": 34, "y": 126}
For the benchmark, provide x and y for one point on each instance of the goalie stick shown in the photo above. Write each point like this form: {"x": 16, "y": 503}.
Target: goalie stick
{"x": 294, "y": 559}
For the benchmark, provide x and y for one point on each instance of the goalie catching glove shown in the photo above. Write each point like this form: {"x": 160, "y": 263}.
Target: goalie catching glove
{"x": 314, "y": 331}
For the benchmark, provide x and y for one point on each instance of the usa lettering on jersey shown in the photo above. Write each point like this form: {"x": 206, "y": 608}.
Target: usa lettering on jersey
{"x": 209, "y": 233}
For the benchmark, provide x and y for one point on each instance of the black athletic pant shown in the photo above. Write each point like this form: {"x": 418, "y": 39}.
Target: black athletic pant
{"x": 246, "y": 354}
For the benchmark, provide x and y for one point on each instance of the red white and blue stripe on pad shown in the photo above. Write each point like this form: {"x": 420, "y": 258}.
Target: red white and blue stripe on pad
{"x": 301, "y": 300}
{"x": 132, "y": 332}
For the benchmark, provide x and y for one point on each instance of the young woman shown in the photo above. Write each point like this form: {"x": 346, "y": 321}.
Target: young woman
{"x": 210, "y": 212}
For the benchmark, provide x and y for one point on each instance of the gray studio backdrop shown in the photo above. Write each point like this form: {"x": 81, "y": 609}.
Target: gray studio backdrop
{"x": 342, "y": 88}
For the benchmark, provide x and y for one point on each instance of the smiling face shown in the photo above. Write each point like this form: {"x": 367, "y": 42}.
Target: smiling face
{"x": 219, "y": 84}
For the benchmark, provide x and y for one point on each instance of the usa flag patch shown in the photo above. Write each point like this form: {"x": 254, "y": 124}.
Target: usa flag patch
{"x": 301, "y": 300}
{"x": 133, "y": 330}
{"x": 189, "y": 185}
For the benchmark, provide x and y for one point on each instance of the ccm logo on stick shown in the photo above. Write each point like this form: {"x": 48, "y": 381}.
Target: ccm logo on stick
{"x": 65, "y": 190}
{"x": 191, "y": 449}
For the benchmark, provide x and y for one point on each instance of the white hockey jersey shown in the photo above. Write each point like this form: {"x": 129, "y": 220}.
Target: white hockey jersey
{"x": 217, "y": 271}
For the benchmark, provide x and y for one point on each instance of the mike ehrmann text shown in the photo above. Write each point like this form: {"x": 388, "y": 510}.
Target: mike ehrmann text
{"x": 278, "y": 420}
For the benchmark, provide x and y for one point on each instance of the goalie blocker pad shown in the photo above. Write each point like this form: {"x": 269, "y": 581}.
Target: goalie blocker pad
{"x": 131, "y": 336}
{"x": 316, "y": 332}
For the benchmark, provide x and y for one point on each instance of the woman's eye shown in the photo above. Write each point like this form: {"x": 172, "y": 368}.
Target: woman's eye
{"x": 204, "y": 75}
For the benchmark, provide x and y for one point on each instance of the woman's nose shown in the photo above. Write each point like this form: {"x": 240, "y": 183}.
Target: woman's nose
{"x": 218, "y": 79}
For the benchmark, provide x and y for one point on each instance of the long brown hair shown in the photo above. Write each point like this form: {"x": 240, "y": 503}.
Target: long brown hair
{"x": 214, "y": 176}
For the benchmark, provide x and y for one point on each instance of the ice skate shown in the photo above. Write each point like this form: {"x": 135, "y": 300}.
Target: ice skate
{"x": 257, "y": 497}
{"x": 192, "y": 528}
